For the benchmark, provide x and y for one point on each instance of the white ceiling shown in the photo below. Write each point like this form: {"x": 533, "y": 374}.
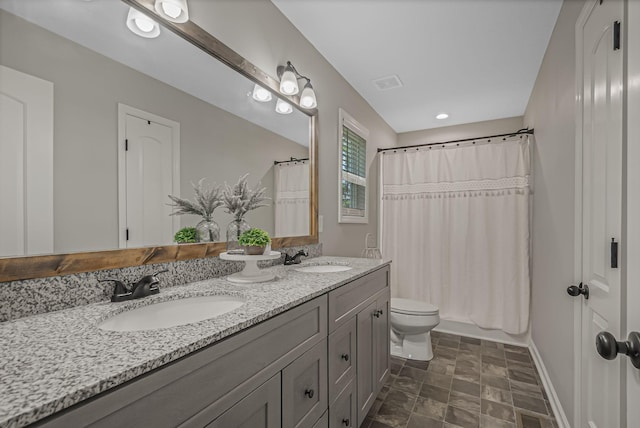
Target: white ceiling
{"x": 473, "y": 59}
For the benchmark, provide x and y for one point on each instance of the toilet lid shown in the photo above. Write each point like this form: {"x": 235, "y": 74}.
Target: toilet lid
{"x": 412, "y": 307}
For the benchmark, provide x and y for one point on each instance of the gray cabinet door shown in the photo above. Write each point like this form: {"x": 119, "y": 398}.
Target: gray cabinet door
{"x": 342, "y": 358}
{"x": 343, "y": 413}
{"x": 381, "y": 330}
{"x": 366, "y": 350}
{"x": 304, "y": 388}
{"x": 260, "y": 409}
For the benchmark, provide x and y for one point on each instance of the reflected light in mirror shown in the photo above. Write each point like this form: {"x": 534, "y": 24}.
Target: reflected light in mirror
{"x": 173, "y": 10}
{"x": 142, "y": 25}
{"x": 283, "y": 107}
{"x": 261, "y": 94}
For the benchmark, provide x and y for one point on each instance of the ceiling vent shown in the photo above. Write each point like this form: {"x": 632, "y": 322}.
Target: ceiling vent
{"x": 389, "y": 82}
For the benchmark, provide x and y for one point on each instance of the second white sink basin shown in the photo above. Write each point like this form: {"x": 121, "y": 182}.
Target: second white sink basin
{"x": 172, "y": 313}
{"x": 323, "y": 268}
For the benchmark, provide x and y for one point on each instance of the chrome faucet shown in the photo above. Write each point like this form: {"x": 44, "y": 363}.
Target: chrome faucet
{"x": 295, "y": 259}
{"x": 146, "y": 286}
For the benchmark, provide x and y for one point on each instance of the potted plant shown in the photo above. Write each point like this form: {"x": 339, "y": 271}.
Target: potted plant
{"x": 238, "y": 201}
{"x": 254, "y": 241}
{"x": 206, "y": 201}
{"x": 186, "y": 235}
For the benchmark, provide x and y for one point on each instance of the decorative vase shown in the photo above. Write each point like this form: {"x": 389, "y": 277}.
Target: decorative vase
{"x": 208, "y": 231}
{"x": 234, "y": 230}
{"x": 253, "y": 250}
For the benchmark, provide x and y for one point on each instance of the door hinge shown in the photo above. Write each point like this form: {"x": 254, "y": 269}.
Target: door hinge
{"x": 126, "y": 145}
{"x": 127, "y": 234}
{"x": 616, "y": 35}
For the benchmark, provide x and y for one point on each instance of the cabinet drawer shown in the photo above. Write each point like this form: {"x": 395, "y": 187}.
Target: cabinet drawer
{"x": 196, "y": 389}
{"x": 260, "y": 409}
{"x": 348, "y": 300}
{"x": 304, "y": 388}
{"x": 342, "y": 413}
{"x": 342, "y": 358}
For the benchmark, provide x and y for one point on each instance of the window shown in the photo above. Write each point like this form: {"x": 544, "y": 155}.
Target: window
{"x": 352, "y": 142}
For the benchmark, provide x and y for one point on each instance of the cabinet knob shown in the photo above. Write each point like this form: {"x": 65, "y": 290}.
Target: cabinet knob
{"x": 377, "y": 313}
{"x": 309, "y": 393}
{"x": 345, "y": 357}
{"x": 346, "y": 422}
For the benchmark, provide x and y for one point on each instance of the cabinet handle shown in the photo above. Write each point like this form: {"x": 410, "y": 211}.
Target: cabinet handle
{"x": 309, "y": 393}
{"x": 345, "y": 357}
{"x": 346, "y": 422}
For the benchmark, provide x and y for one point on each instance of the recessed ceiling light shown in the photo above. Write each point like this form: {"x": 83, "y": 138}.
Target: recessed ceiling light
{"x": 442, "y": 116}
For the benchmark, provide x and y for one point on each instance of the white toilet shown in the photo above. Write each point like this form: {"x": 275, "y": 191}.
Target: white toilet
{"x": 411, "y": 324}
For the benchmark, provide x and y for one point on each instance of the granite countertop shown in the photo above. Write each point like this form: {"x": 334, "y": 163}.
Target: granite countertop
{"x": 52, "y": 361}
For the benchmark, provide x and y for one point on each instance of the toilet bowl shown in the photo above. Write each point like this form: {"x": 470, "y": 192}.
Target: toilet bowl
{"x": 411, "y": 324}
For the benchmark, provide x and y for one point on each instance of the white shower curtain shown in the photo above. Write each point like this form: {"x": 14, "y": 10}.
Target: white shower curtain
{"x": 455, "y": 222}
{"x": 291, "y": 198}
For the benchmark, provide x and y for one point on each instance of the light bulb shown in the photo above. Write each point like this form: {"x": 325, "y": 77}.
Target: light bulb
{"x": 261, "y": 94}
{"x": 442, "y": 116}
{"x": 171, "y": 9}
{"x": 289, "y": 83}
{"x": 141, "y": 25}
{"x": 308, "y": 96}
{"x": 283, "y": 107}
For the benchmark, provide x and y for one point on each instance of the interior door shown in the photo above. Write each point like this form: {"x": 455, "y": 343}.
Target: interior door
{"x": 149, "y": 179}
{"x": 602, "y": 86}
{"x": 26, "y": 164}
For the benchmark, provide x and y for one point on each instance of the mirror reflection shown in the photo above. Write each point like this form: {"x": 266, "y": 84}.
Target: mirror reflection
{"x": 99, "y": 126}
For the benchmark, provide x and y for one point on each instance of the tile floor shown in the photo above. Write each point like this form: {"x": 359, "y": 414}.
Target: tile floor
{"x": 470, "y": 383}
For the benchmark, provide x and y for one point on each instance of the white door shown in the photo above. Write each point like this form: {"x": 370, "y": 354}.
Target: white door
{"x": 632, "y": 277}
{"x": 149, "y": 181}
{"x": 26, "y": 164}
{"x": 601, "y": 87}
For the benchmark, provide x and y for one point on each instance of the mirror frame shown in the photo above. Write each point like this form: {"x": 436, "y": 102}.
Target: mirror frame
{"x": 30, "y": 267}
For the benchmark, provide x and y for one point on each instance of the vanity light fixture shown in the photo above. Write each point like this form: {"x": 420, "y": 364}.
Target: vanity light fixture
{"x": 141, "y": 25}
{"x": 442, "y": 116}
{"x": 173, "y": 10}
{"x": 289, "y": 77}
{"x": 283, "y": 107}
{"x": 261, "y": 94}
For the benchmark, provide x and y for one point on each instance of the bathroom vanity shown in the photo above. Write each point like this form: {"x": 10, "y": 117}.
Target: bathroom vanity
{"x": 307, "y": 350}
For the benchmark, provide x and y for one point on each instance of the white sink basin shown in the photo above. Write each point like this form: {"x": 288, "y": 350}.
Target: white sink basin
{"x": 323, "y": 268}
{"x": 172, "y": 313}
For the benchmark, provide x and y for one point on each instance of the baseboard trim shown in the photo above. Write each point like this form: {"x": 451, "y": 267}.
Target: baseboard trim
{"x": 472, "y": 330}
{"x": 558, "y": 411}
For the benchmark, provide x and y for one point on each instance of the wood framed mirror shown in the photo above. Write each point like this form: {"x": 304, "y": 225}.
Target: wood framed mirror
{"x": 184, "y": 65}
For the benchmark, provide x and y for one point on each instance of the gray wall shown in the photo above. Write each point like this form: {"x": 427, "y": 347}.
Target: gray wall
{"x": 87, "y": 88}
{"x": 459, "y": 132}
{"x": 258, "y": 31}
{"x": 551, "y": 111}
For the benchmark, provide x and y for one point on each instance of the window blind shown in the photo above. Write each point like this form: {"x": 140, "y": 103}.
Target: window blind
{"x": 354, "y": 178}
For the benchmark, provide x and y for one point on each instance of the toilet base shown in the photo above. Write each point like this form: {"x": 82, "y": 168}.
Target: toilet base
{"x": 413, "y": 347}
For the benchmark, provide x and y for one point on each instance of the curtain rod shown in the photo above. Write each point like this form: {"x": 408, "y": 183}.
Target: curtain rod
{"x": 518, "y": 132}
{"x": 290, "y": 160}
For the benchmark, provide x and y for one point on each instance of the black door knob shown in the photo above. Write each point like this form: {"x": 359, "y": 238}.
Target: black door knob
{"x": 608, "y": 347}
{"x": 578, "y": 290}
{"x": 346, "y": 422}
{"x": 309, "y": 393}
{"x": 345, "y": 357}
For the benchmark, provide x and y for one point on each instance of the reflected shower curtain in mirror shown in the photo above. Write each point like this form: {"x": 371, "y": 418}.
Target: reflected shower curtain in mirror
{"x": 291, "y": 198}
{"x": 455, "y": 222}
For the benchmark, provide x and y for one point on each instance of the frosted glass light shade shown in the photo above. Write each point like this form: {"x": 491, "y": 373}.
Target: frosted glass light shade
{"x": 283, "y": 107}
{"x": 289, "y": 83}
{"x": 261, "y": 94}
{"x": 173, "y": 10}
{"x": 308, "y": 97}
{"x": 141, "y": 25}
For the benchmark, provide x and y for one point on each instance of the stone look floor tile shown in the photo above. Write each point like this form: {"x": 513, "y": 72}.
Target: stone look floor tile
{"x": 464, "y": 401}
{"x": 419, "y": 421}
{"x": 462, "y": 418}
{"x": 469, "y": 383}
